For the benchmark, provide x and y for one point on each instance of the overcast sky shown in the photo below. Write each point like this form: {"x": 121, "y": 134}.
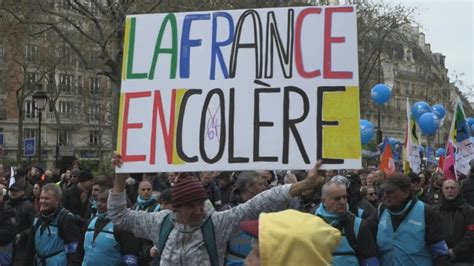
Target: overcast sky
{"x": 449, "y": 28}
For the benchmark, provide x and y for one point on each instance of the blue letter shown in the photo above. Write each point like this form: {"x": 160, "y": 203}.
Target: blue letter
{"x": 215, "y": 50}
{"x": 187, "y": 43}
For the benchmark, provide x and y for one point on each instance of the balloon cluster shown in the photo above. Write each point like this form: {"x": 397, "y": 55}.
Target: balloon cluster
{"x": 428, "y": 117}
{"x": 380, "y": 94}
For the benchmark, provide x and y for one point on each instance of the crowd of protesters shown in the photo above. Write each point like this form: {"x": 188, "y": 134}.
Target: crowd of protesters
{"x": 301, "y": 217}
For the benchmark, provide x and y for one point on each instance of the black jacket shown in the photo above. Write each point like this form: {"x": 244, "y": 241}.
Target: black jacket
{"x": 72, "y": 201}
{"x": 7, "y": 224}
{"x": 24, "y": 211}
{"x": 467, "y": 187}
{"x": 458, "y": 227}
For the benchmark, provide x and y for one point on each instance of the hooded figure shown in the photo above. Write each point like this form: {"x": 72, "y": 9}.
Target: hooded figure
{"x": 290, "y": 238}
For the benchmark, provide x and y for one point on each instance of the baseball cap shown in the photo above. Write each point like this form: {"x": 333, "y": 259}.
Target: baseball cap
{"x": 396, "y": 182}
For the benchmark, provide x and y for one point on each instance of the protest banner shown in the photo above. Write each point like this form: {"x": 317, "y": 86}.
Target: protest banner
{"x": 239, "y": 90}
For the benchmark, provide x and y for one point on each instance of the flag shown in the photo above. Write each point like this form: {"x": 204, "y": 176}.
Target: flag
{"x": 12, "y": 177}
{"x": 430, "y": 155}
{"x": 387, "y": 164}
{"x": 440, "y": 167}
{"x": 411, "y": 149}
{"x": 448, "y": 165}
{"x": 460, "y": 143}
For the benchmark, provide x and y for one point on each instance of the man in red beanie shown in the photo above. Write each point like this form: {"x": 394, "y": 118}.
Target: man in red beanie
{"x": 191, "y": 234}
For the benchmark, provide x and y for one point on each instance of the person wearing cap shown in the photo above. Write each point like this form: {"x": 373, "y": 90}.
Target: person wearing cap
{"x": 409, "y": 232}
{"x": 357, "y": 243}
{"x": 467, "y": 185}
{"x": 458, "y": 224}
{"x": 191, "y": 234}
{"x": 290, "y": 238}
{"x": 104, "y": 243}
{"x": 21, "y": 176}
{"x": 24, "y": 215}
{"x": 76, "y": 198}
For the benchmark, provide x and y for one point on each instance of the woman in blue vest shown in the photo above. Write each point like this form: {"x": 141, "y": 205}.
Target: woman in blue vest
{"x": 56, "y": 231}
{"x": 409, "y": 232}
{"x": 106, "y": 245}
{"x": 357, "y": 245}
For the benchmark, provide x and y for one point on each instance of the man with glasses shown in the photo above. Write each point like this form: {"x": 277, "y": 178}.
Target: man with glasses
{"x": 357, "y": 244}
{"x": 409, "y": 232}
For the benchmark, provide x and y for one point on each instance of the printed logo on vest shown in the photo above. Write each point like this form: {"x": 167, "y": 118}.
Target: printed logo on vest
{"x": 414, "y": 222}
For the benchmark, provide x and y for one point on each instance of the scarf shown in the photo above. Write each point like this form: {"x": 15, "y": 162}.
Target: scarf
{"x": 330, "y": 218}
{"x": 143, "y": 203}
{"x": 101, "y": 216}
{"x": 407, "y": 205}
{"x": 93, "y": 204}
{"x": 452, "y": 204}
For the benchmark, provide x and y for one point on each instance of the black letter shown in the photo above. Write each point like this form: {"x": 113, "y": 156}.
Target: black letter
{"x": 231, "y": 158}
{"x": 179, "y": 127}
{"x": 257, "y": 124}
{"x": 291, "y": 123}
{"x": 202, "y": 131}
{"x": 256, "y": 44}
{"x": 321, "y": 123}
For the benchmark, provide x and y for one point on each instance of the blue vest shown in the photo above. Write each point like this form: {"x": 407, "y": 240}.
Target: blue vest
{"x": 239, "y": 247}
{"x": 6, "y": 254}
{"x": 344, "y": 254}
{"x": 104, "y": 249}
{"x": 49, "y": 246}
{"x": 405, "y": 246}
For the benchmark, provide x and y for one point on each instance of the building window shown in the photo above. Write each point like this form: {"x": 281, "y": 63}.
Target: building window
{"x": 94, "y": 137}
{"x": 2, "y": 53}
{"x": 66, "y": 107}
{"x": 32, "y": 53}
{"x": 94, "y": 85}
{"x": 31, "y": 81}
{"x": 30, "y": 111}
{"x": 65, "y": 137}
{"x": 66, "y": 81}
{"x": 409, "y": 55}
{"x": 68, "y": 55}
{"x": 30, "y": 133}
{"x": 94, "y": 112}
{"x": 2, "y": 81}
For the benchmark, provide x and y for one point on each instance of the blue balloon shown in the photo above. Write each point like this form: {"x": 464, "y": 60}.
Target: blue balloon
{"x": 470, "y": 121}
{"x": 440, "y": 152}
{"x": 438, "y": 110}
{"x": 380, "y": 94}
{"x": 428, "y": 123}
{"x": 366, "y": 131}
{"x": 420, "y": 108}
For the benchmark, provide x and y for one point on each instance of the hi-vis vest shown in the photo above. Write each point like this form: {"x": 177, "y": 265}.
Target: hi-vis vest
{"x": 104, "y": 249}
{"x": 405, "y": 246}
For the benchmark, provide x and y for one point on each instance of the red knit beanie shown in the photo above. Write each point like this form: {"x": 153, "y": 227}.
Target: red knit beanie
{"x": 186, "y": 190}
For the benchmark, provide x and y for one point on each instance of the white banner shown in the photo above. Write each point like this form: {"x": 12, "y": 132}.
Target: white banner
{"x": 240, "y": 89}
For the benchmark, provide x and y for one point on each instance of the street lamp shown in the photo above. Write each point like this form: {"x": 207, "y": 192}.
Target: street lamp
{"x": 40, "y": 99}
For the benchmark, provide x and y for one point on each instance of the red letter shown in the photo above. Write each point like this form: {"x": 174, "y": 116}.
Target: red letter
{"x": 126, "y": 126}
{"x": 328, "y": 39}
{"x": 167, "y": 134}
{"x": 298, "y": 53}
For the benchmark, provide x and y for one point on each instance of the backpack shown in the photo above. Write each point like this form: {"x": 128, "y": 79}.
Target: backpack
{"x": 61, "y": 216}
{"x": 207, "y": 230}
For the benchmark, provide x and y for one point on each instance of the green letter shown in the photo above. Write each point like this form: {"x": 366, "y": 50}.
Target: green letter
{"x": 131, "y": 47}
{"x": 171, "y": 19}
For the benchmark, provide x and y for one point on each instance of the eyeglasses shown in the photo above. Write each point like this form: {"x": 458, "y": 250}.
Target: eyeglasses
{"x": 371, "y": 194}
{"x": 338, "y": 198}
